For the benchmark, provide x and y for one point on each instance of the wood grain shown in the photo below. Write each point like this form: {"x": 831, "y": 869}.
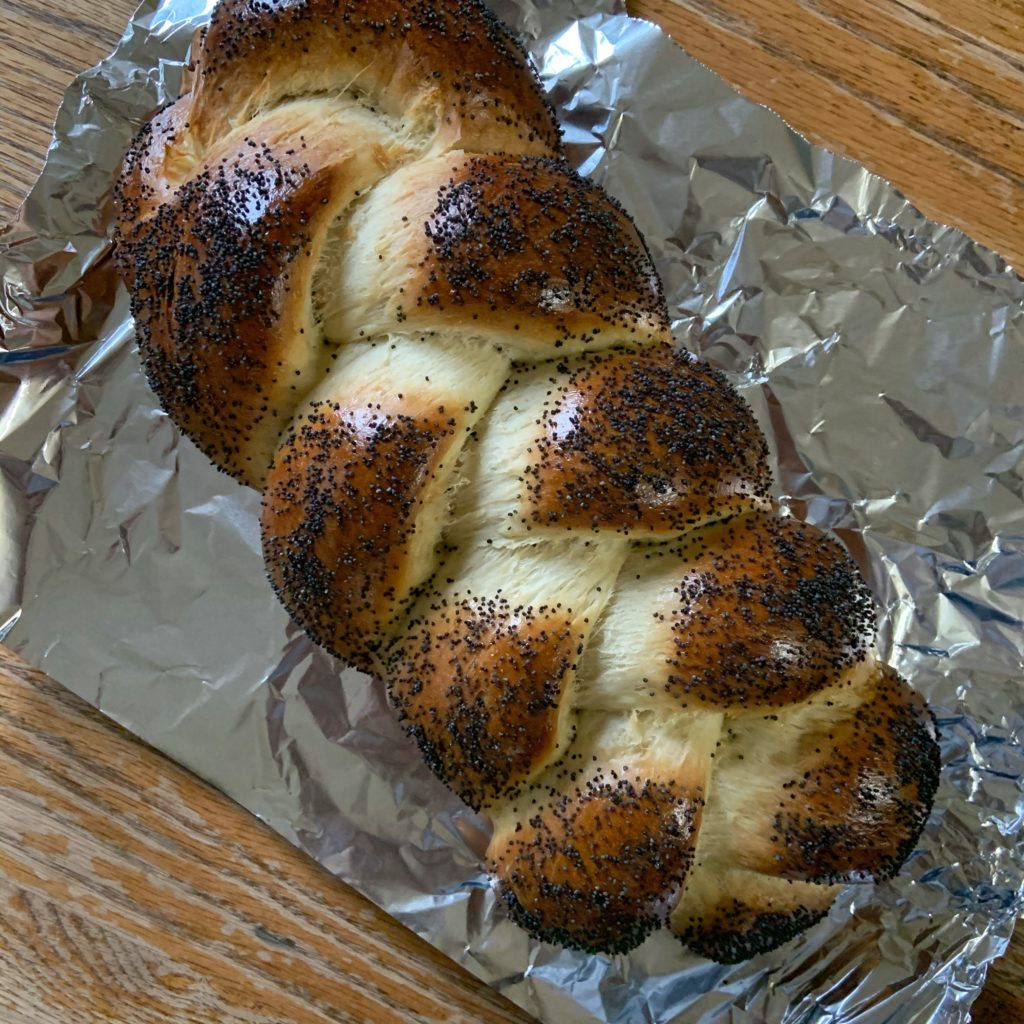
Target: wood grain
{"x": 43, "y": 45}
{"x": 927, "y": 93}
{"x": 131, "y": 891}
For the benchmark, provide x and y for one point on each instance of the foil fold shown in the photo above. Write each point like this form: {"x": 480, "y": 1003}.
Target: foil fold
{"x": 882, "y": 353}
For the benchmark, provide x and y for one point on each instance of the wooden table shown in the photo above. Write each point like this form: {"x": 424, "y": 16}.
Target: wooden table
{"x": 131, "y": 891}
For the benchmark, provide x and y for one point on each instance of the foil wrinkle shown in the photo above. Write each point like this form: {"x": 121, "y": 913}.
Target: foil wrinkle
{"x": 883, "y": 355}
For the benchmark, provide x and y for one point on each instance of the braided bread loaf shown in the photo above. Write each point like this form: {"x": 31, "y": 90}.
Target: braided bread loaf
{"x": 366, "y": 283}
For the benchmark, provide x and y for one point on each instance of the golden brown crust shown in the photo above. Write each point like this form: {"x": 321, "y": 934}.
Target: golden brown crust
{"x": 519, "y": 250}
{"x": 529, "y": 240}
{"x": 153, "y": 167}
{"x": 214, "y": 326}
{"x": 859, "y": 794}
{"x": 645, "y": 443}
{"x": 219, "y": 277}
{"x": 597, "y": 868}
{"x": 218, "y": 245}
{"x": 262, "y": 215}
{"x": 479, "y": 685}
{"x": 769, "y": 611}
{"x": 452, "y": 58}
{"x": 339, "y": 510}
{"x": 731, "y": 915}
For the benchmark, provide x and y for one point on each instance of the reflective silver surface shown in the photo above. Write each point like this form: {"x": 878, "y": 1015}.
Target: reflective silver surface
{"x": 883, "y": 354}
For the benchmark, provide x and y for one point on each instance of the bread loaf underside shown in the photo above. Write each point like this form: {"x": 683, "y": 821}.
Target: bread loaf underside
{"x": 366, "y": 283}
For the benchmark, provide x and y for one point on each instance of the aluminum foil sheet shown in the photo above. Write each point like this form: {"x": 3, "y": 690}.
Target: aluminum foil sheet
{"x": 884, "y": 355}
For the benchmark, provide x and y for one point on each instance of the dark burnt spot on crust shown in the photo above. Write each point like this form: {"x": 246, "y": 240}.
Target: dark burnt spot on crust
{"x": 479, "y": 685}
{"x": 457, "y": 45}
{"x": 531, "y": 236}
{"x": 211, "y": 273}
{"x": 339, "y": 511}
{"x": 598, "y": 868}
{"x": 770, "y": 611}
{"x": 649, "y": 442}
{"x": 735, "y": 930}
{"x": 858, "y": 808}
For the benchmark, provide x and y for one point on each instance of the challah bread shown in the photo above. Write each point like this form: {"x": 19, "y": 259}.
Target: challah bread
{"x": 365, "y": 283}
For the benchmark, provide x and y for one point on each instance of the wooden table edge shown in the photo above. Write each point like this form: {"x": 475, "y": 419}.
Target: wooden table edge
{"x": 1003, "y": 998}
